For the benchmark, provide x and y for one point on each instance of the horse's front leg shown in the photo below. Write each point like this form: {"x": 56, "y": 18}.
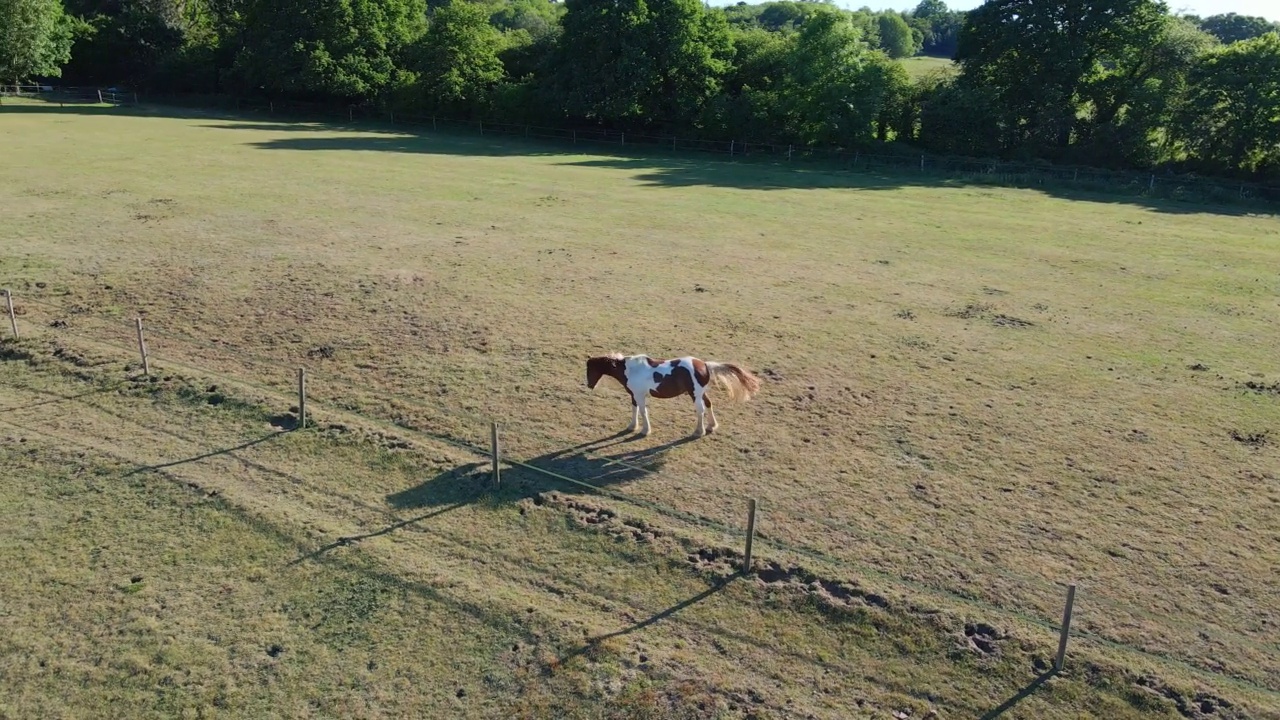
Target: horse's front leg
{"x": 644, "y": 413}
{"x": 635, "y": 414}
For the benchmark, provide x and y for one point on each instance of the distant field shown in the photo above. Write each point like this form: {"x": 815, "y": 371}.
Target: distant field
{"x": 972, "y": 396}
{"x": 922, "y": 65}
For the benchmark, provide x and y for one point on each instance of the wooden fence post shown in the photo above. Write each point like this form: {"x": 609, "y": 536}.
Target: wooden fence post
{"x": 622, "y": 138}
{"x": 1152, "y": 186}
{"x": 1066, "y": 628}
{"x": 302, "y": 398}
{"x": 789, "y": 148}
{"x": 922, "y": 163}
{"x": 731, "y": 148}
{"x": 99, "y": 96}
{"x": 751, "y": 535}
{"x": 496, "y": 453}
{"x": 13, "y": 319}
{"x": 481, "y": 127}
{"x": 142, "y": 348}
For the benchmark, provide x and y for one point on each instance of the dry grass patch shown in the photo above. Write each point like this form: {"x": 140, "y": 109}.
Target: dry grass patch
{"x": 986, "y": 391}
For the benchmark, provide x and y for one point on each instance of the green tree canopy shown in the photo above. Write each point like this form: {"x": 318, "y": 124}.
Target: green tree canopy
{"x": 896, "y": 37}
{"x": 640, "y": 63}
{"x": 350, "y": 49}
{"x": 35, "y": 39}
{"x": 458, "y": 58}
{"x": 1231, "y": 27}
{"x": 1038, "y": 56}
{"x": 1231, "y": 117}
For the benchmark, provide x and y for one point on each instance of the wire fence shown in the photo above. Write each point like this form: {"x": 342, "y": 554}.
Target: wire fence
{"x": 68, "y": 95}
{"x": 1148, "y": 184}
{"x": 1156, "y": 184}
{"x": 338, "y": 396}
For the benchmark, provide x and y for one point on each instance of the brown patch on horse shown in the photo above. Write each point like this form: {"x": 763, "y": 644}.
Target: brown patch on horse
{"x": 701, "y": 372}
{"x": 679, "y": 382}
{"x": 605, "y": 366}
{"x": 653, "y": 363}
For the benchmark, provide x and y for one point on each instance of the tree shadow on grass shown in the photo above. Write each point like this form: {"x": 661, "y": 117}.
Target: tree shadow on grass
{"x": 659, "y": 168}
{"x": 649, "y": 164}
{"x": 583, "y": 468}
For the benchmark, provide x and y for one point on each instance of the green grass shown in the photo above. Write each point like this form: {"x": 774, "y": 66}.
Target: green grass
{"x": 970, "y": 393}
{"x": 922, "y": 65}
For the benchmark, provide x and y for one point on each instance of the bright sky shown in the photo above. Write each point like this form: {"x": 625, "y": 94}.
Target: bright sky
{"x": 1269, "y": 9}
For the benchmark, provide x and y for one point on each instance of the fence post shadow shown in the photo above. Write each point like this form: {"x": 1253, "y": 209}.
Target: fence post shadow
{"x": 1021, "y": 695}
{"x": 716, "y": 586}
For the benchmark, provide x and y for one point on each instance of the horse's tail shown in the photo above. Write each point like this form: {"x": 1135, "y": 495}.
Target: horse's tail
{"x": 740, "y": 383}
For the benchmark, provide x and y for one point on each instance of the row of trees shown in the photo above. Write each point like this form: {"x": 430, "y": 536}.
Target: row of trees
{"x": 1104, "y": 82}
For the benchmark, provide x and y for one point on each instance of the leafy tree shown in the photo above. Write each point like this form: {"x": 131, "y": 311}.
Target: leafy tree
{"x": 1131, "y": 98}
{"x": 537, "y": 17}
{"x": 785, "y": 14}
{"x": 750, "y": 105}
{"x": 831, "y": 94}
{"x": 458, "y": 58}
{"x": 35, "y": 39}
{"x": 896, "y": 37}
{"x": 1231, "y": 27}
{"x": 930, "y": 9}
{"x": 1038, "y": 56}
{"x": 1231, "y": 117}
{"x": 960, "y": 118}
{"x": 349, "y": 49}
{"x": 129, "y": 42}
{"x": 639, "y": 63}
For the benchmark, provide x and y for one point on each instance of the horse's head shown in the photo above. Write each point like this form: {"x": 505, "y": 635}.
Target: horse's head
{"x": 600, "y": 366}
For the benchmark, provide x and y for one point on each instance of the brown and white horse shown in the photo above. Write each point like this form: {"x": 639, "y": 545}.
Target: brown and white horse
{"x": 644, "y": 377}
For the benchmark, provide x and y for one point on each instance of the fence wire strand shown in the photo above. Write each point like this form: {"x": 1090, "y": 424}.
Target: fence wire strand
{"x": 664, "y": 510}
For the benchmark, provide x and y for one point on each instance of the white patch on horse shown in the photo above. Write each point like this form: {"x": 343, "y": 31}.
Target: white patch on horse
{"x": 643, "y": 379}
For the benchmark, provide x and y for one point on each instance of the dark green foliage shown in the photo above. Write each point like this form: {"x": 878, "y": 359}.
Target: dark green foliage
{"x": 346, "y": 49}
{"x": 1230, "y": 28}
{"x": 637, "y": 63}
{"x": 458, "y": 61}
{"x": 897, "y": 38}
{"x": 35, "y": 39}
{"x": 1231, "y": 116}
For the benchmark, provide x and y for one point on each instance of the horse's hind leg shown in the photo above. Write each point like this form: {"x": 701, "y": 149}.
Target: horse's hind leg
{"x": 712, "y": 423}
{"x": 703, "y": 404}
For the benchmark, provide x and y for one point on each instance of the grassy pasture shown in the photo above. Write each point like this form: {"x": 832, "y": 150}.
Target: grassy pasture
{"x": 986, "y": 391}
{"x": 922, "y": 65}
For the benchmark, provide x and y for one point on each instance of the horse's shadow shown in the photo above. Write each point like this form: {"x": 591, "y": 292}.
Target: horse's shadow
{"x": 569, "y": 469}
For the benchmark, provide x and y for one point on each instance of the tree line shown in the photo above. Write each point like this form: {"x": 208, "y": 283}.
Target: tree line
{"x": 1112, "y": 83}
